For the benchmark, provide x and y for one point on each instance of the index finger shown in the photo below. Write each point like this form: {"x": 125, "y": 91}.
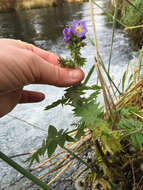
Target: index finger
{"x": 46, "y": 55}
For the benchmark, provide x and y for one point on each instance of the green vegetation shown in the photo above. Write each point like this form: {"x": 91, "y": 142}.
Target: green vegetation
{"x": 106, "y": 143}
{"x": 130, "y": 13}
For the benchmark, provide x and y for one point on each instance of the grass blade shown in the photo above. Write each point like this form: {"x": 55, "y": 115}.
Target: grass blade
{"x": 24, "y": 172}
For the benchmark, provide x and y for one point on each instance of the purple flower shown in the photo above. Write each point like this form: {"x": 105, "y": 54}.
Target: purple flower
{"x": 67, "y": 32}
{"x": 79, "y": 28}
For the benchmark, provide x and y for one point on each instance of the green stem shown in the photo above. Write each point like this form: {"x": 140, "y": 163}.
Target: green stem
{"x": 89, "y": 75}
{"x": 113, "y": 32}
{"x": 140, "y": 62}
{"x": 108, "y": 13}
{"x": 24, "y": 172}
{"x": 78, "y": 158}
{"x": 104, "y": 68}
{"x": 109, "y": 78}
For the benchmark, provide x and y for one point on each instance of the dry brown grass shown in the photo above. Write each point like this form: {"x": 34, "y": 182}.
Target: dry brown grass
{"x": 6, "y": 5}
{"x": 28, "y": 4}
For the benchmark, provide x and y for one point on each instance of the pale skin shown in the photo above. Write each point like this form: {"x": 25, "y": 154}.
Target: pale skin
{"x": 22, "y": 64}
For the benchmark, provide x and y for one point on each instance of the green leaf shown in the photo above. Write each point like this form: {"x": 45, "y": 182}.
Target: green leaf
{"x": 90, "y": 113}
{"x": 54, "y": 104}
{"x": 130, "y": 78}
{"x": 31, "y": 161}
{"x": 52, "y": 132}
{"x": 80, "y": 130}
{"x": 61, "y": 141}
{"x": 132, "y": 128}
{"x": 69, "y": 138}
{"x": 129, "y": 86}
{"x": 123, "y": 80}
{"x": 37, "y": 158}
{"x": 127, "y": 111}
{"x": 137, "y": 140}
{"x": 43, "y": 148}
{"x": 52, "y": 145}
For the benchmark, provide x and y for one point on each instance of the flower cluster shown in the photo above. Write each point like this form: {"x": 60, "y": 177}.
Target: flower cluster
{"x": 73, "y": 37}
{"x": 78, "y": 29}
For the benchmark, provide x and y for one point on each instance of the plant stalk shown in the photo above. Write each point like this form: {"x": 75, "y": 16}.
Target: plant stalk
{"x": 113, "y": 33}
{"x": 78, "y": 158}
{"x": 24, "y": 172}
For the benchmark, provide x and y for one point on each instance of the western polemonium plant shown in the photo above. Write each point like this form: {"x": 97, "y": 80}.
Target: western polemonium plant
{"x": 74, "y": 36}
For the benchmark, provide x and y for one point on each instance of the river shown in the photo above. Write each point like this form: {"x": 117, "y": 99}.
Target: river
{"x": 43, "y": 27}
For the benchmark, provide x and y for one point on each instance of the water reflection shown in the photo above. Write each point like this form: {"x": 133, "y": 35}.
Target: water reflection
{"x": 37, "y": 24}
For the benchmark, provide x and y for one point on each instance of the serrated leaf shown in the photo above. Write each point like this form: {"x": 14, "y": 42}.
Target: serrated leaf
{"x": 90, "y": 113}
{"x": 54, "y": 104}
{"x": 130, "y": 125}
{"x": 137, "y": 140}
{"x": 80, "y": 131}
{"x": 52, "y": 147}
{"x": 52, "y": 132}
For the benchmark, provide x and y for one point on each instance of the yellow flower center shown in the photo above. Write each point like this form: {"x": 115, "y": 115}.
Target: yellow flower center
{"x": 78, "y": 29}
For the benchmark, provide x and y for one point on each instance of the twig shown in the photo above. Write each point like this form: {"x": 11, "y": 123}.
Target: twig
{"x": 133, "y": 172}
{"x": 63, "y": 169}
{"x": 133, "y": 27}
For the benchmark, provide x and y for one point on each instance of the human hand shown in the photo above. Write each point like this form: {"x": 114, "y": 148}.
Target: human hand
{"x": 21, "y": 64}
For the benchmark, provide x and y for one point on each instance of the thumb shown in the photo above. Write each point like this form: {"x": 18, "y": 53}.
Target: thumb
{"x": 55, "y": 75}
